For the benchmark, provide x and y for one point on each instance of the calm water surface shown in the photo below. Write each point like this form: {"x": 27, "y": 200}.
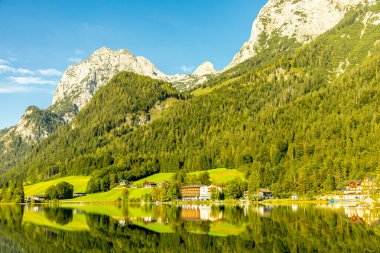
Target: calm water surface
{"x": 189, "y": 228}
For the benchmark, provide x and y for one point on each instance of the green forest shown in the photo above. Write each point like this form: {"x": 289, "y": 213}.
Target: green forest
{"x": 293, "y": 122}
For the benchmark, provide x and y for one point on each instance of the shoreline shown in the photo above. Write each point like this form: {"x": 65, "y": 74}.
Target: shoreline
{"x": 226, "y": 202}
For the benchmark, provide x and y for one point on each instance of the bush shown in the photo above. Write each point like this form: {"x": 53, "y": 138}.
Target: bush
{"x": 62, "y": 190}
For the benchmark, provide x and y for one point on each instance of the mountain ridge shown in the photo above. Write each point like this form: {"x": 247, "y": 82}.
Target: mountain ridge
{"x": 298, "y": 114}
{"x": 302, "y": 20}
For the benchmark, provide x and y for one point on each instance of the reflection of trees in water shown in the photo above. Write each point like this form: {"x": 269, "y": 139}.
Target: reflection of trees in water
{"x": 11, "y": 215}
{"x": 60, "y": 216}
{"x": 306, "y": 230}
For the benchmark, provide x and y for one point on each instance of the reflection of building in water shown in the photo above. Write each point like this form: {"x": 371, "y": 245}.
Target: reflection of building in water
{"x": 356, "y": 214}
{"x": 200, "y": 213}
{"x": 264, "y": 211}
{"x": 366, "y": 216}
{"x": 34, "y": 209}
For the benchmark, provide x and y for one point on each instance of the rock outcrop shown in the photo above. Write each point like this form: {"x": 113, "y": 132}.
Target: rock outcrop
{"x": 206, "y": 68}
{"x": 302, "y": 20}
{"x": 81, "y": 81}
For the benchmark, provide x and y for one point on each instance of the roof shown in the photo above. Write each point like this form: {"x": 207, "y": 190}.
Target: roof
{"x": 192, "y": 186}
{"x": 265, "y": 190}
{"x": 354, "y": 181}
{"x": 146, "y": 182}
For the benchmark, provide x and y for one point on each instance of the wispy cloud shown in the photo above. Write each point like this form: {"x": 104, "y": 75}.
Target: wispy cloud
{"x": 31, "y": 80}
{"x": 15, "y": 89}
{"x": 7, "y": 69}
{"x": 3, "y": 61}
{"x": 186, "y": 68}
{"x": 4, "y": 68}
{"x": 75, "y": 59}
{"x": 49, "y": 72}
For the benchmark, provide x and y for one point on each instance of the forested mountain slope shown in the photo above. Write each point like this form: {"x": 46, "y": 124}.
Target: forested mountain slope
{"x": 304, "y": 121}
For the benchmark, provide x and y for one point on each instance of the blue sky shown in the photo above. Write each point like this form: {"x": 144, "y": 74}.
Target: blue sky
{"x": 41, "y": 38}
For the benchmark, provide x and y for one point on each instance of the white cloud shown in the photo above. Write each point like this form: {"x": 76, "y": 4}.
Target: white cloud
{"x": 15, "y": 89}
{"x": 49, "y": 72}
{"x": 75, "y": 59}
{"x": 7, "y": 69}
{"x": 22, "y": 71}
{"x": 186, "y": 68}
{"x": 30, "y": 80}
{"x": 3, "y": 61}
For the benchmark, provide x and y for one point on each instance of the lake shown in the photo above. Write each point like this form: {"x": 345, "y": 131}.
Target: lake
{"x": 189, "y": 228}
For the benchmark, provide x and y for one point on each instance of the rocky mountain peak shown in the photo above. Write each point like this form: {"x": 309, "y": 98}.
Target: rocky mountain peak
{"x": 80, "y": 82}
{"x": 206, "y": 68}
{"x": 302, "y": 20}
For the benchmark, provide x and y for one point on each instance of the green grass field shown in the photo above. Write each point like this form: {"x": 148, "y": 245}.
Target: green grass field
{"x": 159, "y": 177}
{"x": 111, "y": 196}
{"x": 217, "y": 176}
{"x": 79, "y": 183}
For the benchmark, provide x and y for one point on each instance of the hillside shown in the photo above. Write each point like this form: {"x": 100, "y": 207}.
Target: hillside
{"x": 305, "y": 121}
{"x": 79, "y": 183}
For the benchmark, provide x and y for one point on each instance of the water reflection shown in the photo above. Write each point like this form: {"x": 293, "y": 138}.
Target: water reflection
{"x": 357, "y": 214}
{"x": 189, "y": 228}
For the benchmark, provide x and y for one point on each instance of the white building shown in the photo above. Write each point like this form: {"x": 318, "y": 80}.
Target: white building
{"x": 205, "y": 191}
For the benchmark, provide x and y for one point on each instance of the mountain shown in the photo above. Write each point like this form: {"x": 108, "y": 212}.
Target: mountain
{"x": 80, "y": 82}
{"x": 301, "y": 20}
{"x": 304, "y": 116}
{"x": 305, "y": 120}
{"x": 205, "y": 69}
{"x": 76, "y": 88}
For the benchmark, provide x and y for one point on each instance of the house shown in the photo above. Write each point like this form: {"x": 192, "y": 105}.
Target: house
{"x": 192, "y": 192}
{"x": 265, "y": 194}
{"x": 245, "y": 195}
{"x": 79, "y": 194}
{"x": 123, "y": 182}
{"x": 38, "y": 197}
{"x": 150, "y": 184}
{"x": 353, "y": 187}
{"x": 206, "y": 191}
{"x": 369, "y": 185}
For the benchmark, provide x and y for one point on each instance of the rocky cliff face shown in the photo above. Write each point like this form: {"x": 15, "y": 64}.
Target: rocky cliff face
{"x": 206, "y": 68}
{"x": 33, "y": 126}
{"x": 302, "y": 20}
{"x": 80, "y": 82}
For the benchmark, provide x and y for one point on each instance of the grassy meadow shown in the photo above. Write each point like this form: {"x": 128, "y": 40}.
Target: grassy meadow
{"x": 217, "y": 176}
{"x": 79, "y": 183}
